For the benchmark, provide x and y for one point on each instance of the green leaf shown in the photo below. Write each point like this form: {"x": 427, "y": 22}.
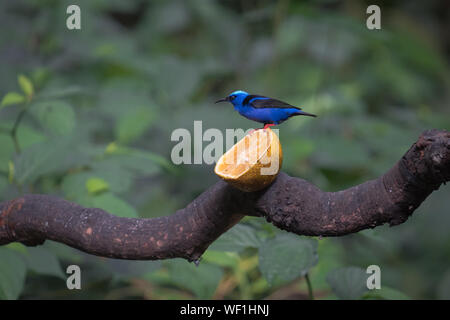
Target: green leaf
{"x": 202, "y": 280}
{"x": 26, "y": 85}
{"x": 57, "y": 93}
{"x": 133, "y": 125}
{"x": 443, "y": 288}
{"x": 340, "y": 153}
{"x": 56, "y": 116}
{"x": 139, "y": 160}
{"x": 6, "y": 151}
{"x": 36, "y": 160}
{"x": 115, "y": 173}
{"x": 96, "y": 185}
{"x": 222, "y": 259}
{"x": 118, "y": 180}
{"x": 114, "y": 205}
{"x": 287, "y": 257}
{"x": 28, "y": 136}
{"x": 385, "y": 293}
{"x": 12, "y": 98}
{"x": 17, "y": 246}
{"x": 43, "y": 261}
{"x": 65, "y": 253}
{"x": 348, "y": 283}
{"x": 51, "y": 156}
{"x": 330, "y": 253}
{"x": 10, "y": 171}
{"x": 3, "y": 183}
{"x": 236, "y": 239}
{"x": 127, "y": 269}
{"x": 12, "y": 274}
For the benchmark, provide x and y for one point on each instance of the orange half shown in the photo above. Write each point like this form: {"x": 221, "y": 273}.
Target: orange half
{"x": 253, "y": 163}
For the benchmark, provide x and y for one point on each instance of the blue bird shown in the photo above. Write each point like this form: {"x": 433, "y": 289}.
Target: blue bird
{"x": 262, "y": 109}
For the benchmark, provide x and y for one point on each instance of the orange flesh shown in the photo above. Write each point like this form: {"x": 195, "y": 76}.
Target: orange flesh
{"x": 242, "y": 156}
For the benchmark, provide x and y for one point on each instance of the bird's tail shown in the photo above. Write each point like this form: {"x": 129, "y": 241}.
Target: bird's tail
{"x": 303, "y": 113}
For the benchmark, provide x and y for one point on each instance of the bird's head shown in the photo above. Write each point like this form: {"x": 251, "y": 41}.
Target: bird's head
{"x": 236, "y": 97}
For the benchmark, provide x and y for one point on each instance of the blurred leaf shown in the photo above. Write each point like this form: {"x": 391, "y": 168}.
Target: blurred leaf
{"x": 67, "y": 254}
{"x": 56, "y": 116}
{"x": 26, "y": 85}
{"x": 135, "y": 165}
{"x": 11, "y": 171}
{"x": 223, "y": 259}
{"x": 385, "y": 293}
{"x": 377, "y": 236}
{"x": 126, "y": 268}
{"x": 40, "y": 76}
{"x": 43, "y": 261}
{"x": 177, "y": 79}
{"x": 291, "y": 35}
{"x": 119, "y": 98}
{"x": 28, "y": 136}
{"x": 3, "y": 183}
{"x": 340, "y": 153}
{"x": 171, "y": 17}
{"x": 12, "y": 274}
{"x": 117, "y": 178}
{"x": 57, "y": 93}
{"x": 133, "y": 125}
{"x": 6, "y": 151}
{"x": 12, "y": 98}
{"x": 114, "y": 205}
{"x": 17, "y": 246}
{"x": 297, "y": 149}
{"x": 287, "y": 257}
{"x": 416, "y": 50}
{"x": 237, "y": 238}
{"x": 37, "y": 160}
{"x": 330, "y": 253}
{"x": 202, "y": 280}
{"x": 74, "y": 185}
{"x": 141, "y": 161}
{"x": 46, "y": 157}
{"x": 112, "y": 148}
{"x": 443, "y": 289}
{"x": 348, "y": 283}
{"x": 96, "y": 185}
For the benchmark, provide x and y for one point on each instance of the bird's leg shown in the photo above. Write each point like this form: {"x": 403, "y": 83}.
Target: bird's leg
{"x": 268, "y": 125}
{"x": 265, "y": 127}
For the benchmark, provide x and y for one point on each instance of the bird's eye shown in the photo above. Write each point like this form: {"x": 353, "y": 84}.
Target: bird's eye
{"x": 232, "y": 97}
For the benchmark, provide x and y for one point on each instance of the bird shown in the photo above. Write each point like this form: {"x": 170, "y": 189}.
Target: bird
{"x": 263, "y": 109}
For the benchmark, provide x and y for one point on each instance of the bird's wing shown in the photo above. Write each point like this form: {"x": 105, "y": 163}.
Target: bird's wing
{"x": 261, "y": 102}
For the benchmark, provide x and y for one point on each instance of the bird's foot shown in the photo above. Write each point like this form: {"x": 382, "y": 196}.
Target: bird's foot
{"x": 264, "y": 128}
{"x": 268, "y": 125}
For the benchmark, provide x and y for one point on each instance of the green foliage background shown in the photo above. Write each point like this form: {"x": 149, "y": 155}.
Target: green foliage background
{"x": 97, "y": 108}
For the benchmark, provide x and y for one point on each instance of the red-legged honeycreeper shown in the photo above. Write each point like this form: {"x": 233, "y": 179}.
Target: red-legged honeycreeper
{"x": 262, "y": 109}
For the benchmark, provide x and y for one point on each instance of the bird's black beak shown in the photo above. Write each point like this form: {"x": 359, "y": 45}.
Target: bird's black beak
{"x": 222, "y": 100}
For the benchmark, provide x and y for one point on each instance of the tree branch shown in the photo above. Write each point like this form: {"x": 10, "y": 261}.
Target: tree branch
{"x": 289, "y": 203}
